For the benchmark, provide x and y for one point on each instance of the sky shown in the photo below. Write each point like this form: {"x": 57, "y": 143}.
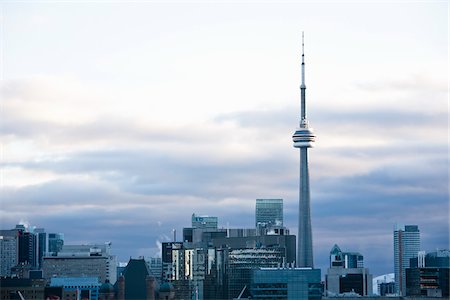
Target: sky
{"x": 118, "y": 120}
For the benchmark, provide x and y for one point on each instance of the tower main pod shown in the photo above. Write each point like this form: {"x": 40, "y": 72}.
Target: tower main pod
{"x": 304, "y": 138}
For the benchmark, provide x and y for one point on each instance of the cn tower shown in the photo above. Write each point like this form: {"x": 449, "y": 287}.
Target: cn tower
{"x": 304, "y": 138}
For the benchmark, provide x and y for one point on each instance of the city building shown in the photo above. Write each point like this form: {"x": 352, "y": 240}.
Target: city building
{"x": 20, "y": 288}
{"x": 135, "y": 282}
{"x": 287, "y": 242}
{"x": 268, "y": 212}
{"x": 347, "y": 274}
{"x": 28, "y": 248}
{"x": 155, "y": 267}
{"x": 41, "y": 245}
{"x": 241, "y": 263}
{"x": 345, "y": 259}
{"x": 406, "y": 246}
{"x": 8, "y": 251}
{"x": 429, "y": 275}
{"x": 87, "y": 287}
{"x": 384, "y": 285}
{"x": 55, "y": 242}
{"x": 303, "y": 139}
{"x": 286, "y": 283}
{"x": 82, "y": 261}
{"x": 204, "y": 222}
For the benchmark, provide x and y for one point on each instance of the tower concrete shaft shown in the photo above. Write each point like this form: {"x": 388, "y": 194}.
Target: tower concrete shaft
{"x": 304, "y": 138}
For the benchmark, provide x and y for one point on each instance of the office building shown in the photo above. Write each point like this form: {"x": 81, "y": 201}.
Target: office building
{"x": 345, "y": 259}
{"x": 286, "y": 283}
{"x": 268, "y": 212}
{"x": 303, "y": 139}
{"x": 347, "y": 274}
{"x": 204, "y": 222}
{"x": 429, "y": 276}
{"x": 8, "y": 251}
{"x": 41, "y": 238}
{"x": 241, "y": 262}
{"x": 406, "y": 246}
{"x": 82, "y": 261}
{"x": 28, "y": 248}
{"x": 55, "y": 242}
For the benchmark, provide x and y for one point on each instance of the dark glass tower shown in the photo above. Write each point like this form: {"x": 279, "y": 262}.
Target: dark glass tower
{"x": 304, "y": 138}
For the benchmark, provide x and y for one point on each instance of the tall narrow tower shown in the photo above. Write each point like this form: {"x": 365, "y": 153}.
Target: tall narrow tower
{"x": 304, "y": 138}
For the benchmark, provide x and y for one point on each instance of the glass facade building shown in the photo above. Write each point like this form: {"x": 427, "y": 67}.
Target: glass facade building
{"x": 269, "y": 212}
{"x": 406, "y": 246}
{"x": 286, "y": 283}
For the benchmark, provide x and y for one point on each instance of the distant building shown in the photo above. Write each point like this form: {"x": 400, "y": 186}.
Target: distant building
{"x": 204, "y": 222}
{"x": 136, "y": 282}
{"x": 406, "y": 246}
{"x": 28, "y": 248}
{"x": 155, "y": 267}
{"x": 8, "y": 251}
{"x": 429, "y": 277}
{"x": 41, "y": 245}
{"x": 384, "y": 285}
{"x": 268, "y": 212}
{"x": 28, "y": 288}
{"x": 87, "y": 286}
{"x": 55, "y": 242}
{"x": 82, "y": 261}
{"x": 347, "y": 274}
{"x": 286, "y": 283}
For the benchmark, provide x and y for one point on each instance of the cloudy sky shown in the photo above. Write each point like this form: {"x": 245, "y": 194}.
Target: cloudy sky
{"x": 121, "y": 119}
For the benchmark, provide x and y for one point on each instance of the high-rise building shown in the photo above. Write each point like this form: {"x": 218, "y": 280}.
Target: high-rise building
{"x": 55, "y": 242}
{"x": 41, "y": 245}
{"x": 269, "y": 212}
{"x": 406, "y": 246}
{"x": 28, "y": 248}
{"x": 304, "y": 138}
{"x": 8, "y": 251}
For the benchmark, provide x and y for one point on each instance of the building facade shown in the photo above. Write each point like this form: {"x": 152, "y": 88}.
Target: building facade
{"x": 82, "y": 261}
{"x": 268, "y": 212}
{"x": 8, "y": 251}
{"x": 286, "y": 283}
{"x": 347, "y": 274}
{"x": 406, "y": 246}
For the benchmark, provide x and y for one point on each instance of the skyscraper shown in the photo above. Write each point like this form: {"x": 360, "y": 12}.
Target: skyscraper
{"x": 406, "y": 246}
{"x": 269, "y": 212}
{"x": 304, "y": 138}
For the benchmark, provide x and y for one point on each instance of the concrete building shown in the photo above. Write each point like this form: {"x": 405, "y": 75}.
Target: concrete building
{"x": 286, "y": 283}
{"x": 406, "y": 246}
{"x": 82, "y": 261}
{"x": 303, "y": 139}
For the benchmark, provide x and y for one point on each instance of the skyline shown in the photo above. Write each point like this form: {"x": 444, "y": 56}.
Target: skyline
{"x": 118, "y": 121}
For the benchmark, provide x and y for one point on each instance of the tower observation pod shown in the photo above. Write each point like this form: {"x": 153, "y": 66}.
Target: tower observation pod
{"x": 303, "y": 139}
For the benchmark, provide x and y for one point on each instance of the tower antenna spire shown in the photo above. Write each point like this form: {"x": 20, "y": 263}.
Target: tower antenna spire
{"x": 303, "y": 121}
